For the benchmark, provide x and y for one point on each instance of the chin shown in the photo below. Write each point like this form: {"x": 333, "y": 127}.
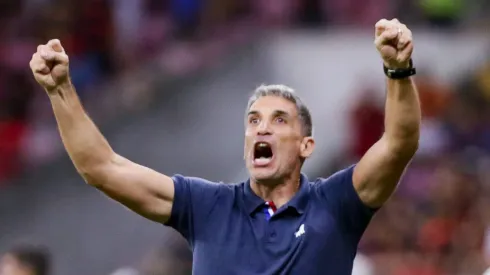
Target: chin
{"x": 264, "y": 176}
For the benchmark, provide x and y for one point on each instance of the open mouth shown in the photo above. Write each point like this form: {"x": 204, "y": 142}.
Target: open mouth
{"x": 262, "y": 154}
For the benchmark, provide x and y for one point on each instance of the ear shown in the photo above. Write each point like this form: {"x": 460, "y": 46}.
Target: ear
{"x": 307, "y": 147}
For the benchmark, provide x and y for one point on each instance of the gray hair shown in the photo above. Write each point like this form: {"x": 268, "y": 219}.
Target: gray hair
{"x": 289, "y": 94}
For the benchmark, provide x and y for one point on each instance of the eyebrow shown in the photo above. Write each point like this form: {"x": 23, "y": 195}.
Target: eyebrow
{"x": 275, "y": 113}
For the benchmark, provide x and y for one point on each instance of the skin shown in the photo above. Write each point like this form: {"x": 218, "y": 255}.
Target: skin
{"x": 151, "y": 194}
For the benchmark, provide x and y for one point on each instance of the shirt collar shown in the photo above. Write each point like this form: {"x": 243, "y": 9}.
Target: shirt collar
{"x": 298, "y": 201}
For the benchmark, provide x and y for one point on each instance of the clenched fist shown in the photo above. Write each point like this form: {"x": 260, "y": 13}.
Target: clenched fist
{"x": 50, "y": 65}
{"x": 394, "y": 42}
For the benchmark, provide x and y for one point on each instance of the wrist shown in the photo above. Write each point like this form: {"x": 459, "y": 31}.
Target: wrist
{"x": 399, "y": 72}
{"x": 61, "y": 88}
{"x": 405, "y": 65}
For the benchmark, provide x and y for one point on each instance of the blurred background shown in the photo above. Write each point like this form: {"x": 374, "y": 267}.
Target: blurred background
{"x": 167, "y": 82}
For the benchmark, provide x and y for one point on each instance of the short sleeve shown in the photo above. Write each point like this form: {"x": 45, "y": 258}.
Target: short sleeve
{"x": 339, "y": 194}
{"x": 194, "y": 200}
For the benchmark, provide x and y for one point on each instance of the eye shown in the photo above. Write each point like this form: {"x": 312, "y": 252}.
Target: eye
{"x": 253, "y": 120}
{"x": 280, "y": 120}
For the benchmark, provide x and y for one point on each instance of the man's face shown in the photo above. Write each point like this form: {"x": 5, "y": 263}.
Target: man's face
{"x": 9, "y": 265}
{"x": 274, "y": 143}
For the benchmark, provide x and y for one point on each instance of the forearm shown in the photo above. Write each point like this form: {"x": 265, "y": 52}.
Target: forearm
{"x": 84, "y": 143}
{"x": 402, "y": 116}
{"x": 380, "y": 169}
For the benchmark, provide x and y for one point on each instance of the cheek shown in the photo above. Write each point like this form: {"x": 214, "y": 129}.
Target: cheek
{"x": 290, "y": 149}
{"x": 248, "y": 143}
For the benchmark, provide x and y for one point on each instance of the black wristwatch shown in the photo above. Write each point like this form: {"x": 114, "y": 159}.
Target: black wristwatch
{"x": 400, "y": 73}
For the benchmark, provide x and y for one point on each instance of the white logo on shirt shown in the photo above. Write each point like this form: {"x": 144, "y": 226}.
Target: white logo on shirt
{"x": 300, "y": 231}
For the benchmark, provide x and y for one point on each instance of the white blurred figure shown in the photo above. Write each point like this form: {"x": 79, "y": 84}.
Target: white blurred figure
{"x": 486, "y": 250}
{"x": 433, "y": 139}
{"x": 125, "y": 271}
{"x": 363, "y": 265}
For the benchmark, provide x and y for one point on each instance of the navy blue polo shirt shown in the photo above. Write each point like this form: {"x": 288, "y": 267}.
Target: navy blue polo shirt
{"x": 231, "y": 231}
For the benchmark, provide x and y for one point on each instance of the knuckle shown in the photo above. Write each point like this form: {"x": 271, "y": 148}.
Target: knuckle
{"x": 64, "y": 58}
{"x": 381, "y": 22}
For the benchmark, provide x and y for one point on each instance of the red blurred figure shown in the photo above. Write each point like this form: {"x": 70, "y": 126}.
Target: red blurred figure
{"x": 11, "y": 134}
{"x": 367, "y": 122}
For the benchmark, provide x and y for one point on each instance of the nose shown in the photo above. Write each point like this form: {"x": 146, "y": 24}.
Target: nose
{"x": 264, "y": 128}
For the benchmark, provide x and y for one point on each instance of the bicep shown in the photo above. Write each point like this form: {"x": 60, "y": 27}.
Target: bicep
{"x": 139, "y": 188}
{"x": 378, "y": 173}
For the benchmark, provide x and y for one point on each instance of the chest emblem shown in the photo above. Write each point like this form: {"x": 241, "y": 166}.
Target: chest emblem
{"x": 301, "y": 231}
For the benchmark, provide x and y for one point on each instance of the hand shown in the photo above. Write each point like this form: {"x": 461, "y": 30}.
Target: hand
{"x": 394, "y": 42}
{"x": 50, "y": 66}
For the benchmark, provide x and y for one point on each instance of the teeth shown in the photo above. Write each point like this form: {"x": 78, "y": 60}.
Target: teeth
{"x": 262, "y": 144}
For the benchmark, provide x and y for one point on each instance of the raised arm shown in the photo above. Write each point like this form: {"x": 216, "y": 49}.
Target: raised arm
{"x": 377, "y": 174}
{"x": 141, "y": 189}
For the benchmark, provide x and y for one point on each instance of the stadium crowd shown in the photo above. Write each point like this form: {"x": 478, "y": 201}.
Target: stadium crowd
{"x": 106, "y": 39}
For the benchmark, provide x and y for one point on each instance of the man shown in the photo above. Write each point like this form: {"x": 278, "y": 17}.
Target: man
{"x": 277, "y": 222}
{"x": 25, "y": 260}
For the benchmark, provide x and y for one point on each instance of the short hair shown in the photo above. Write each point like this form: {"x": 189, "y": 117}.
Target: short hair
{"x": 34, "y": 257}
{"x": 289, "y": 94}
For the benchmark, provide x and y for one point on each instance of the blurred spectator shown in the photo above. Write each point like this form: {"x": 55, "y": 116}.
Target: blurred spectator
{"x": 311, "y": 13}
{"x": 358, "y": 13}
{"x": 26, "y": 260}
{"x": 171, "y": 259}
{"x": 367, "y": 120}
{"x": 186, "y": 15}
{"x": 275, "y": 13}
{"x": 16, "y": 91}
{"x": 442, "y": 13}
{"x": 125, "y": 271}
{"x": 435, "y": 98}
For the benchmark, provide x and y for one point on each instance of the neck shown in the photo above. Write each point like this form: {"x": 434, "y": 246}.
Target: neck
{"x": 278, "y": 191}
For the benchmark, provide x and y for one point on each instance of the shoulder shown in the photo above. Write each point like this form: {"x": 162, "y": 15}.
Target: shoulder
{"x": 193, "y": 180}
{"x": 339, "y": 194}
{"x": 341, "y": 178}
{"x": 200, "y": 185}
